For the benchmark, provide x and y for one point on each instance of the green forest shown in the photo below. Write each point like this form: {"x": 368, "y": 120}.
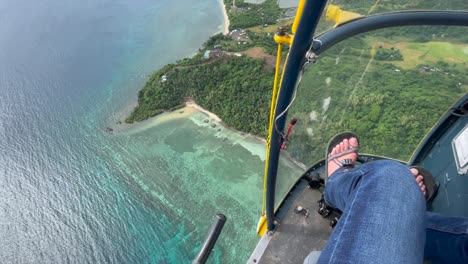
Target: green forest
{"x": 226, "y": 43}
{"x": 237, "y": 89}
{"x": 245, "y": 15}
{"x": 389, "y": 86}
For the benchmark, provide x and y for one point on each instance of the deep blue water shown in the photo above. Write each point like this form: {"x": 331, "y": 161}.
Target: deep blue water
{"x": 70, "y": 193}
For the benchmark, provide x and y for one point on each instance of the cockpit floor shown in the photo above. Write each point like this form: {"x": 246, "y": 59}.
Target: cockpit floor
{"x": 297, "y": 234}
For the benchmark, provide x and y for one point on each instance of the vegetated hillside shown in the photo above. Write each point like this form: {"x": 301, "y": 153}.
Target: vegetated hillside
{"x": 237, "y": 89}
{"x": 245, "y": 15}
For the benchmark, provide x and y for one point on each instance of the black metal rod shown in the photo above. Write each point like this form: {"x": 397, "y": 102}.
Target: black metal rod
{"x": 302, "y": 40}
{"x": 210, "y": 241}
{"x": 397, "y": 19}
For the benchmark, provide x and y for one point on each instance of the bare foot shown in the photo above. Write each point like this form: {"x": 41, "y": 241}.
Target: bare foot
{"x": 343, "y": 146}
{"x": 419, "y": 180}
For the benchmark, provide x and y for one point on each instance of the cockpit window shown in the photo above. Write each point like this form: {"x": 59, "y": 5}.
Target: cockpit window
{"x": 388, "y": 86}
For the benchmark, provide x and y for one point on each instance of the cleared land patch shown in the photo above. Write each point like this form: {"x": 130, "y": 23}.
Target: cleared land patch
{"x": 420, "y": 53}
{"x": 258, "y": 53}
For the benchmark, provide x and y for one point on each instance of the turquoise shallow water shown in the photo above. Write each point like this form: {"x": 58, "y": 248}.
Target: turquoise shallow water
{"x": 184, "y": 173}
{"x": 190, "y": 173}
{"x": 70, "y": 193}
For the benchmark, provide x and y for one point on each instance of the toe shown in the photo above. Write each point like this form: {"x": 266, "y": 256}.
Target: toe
{"x": 419, "y": 179}
{"x": 345, "y": 144}
{"x": 333, "y": 152}
{"x": 353, "y": 142}
{"x": 414, "y": 171}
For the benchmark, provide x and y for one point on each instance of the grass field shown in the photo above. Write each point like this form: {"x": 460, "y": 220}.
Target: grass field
{"x": 420, "y": 53}
{"x": 271, "y": 28}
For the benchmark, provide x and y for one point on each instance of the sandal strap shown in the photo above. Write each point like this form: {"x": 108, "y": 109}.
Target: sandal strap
{"x": 338, "y": 162}
{"x": 348, "y": 163}
{"x": 341, "y": 154}
{"x": 344, "y": 163}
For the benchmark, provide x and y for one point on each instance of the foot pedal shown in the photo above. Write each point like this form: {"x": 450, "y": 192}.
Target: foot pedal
{"x": 323, "y": 209}
{"x": 334, "y": 221}
{"x": 314, "y": 180}
{"x": 329, "y": 212}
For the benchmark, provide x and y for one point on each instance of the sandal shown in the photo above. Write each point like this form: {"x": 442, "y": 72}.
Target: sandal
{"x": 337, "y": 139}
{"x": 429, "y": 182}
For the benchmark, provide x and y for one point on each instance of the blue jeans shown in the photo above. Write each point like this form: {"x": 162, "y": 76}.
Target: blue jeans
{"x": 384, "y": 217}
{"x": 446, "y": 239}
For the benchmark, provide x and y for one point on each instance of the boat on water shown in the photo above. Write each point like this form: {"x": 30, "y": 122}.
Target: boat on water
{"x": 392, "y": 71}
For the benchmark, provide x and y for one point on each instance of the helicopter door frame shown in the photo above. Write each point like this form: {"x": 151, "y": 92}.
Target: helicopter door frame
{"x": 304, "y": 40}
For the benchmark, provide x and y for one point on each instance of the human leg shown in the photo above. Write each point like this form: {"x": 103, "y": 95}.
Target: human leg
{"x": 383, "y": 215}
{"x": 447, "y": 239}
{"x": 446, "y": 236}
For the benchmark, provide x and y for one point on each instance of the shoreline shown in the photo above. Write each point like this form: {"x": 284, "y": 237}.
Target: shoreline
{"x": 127, "y": 109}
{"x": 189, "y": 104}
{"x": 190, "y": 109}
{"x": 226, "y": 18}
{"x": 192, "y": 104}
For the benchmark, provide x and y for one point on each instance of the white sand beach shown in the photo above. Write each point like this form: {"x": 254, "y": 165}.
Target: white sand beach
{"x": 192, "y": 104}
{"x": 226, "y": 18}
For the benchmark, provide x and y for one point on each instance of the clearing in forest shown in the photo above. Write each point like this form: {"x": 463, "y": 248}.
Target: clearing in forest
{"x": 420, "y": 53}
{"x": 258, "y": 53}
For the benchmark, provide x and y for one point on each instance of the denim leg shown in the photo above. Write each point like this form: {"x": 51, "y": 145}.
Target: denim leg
{"x": 447, "y": 239}
{"x": 383, "y": 217}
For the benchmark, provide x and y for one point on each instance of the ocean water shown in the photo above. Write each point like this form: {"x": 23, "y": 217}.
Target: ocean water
{"x": 70, "y": 193}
